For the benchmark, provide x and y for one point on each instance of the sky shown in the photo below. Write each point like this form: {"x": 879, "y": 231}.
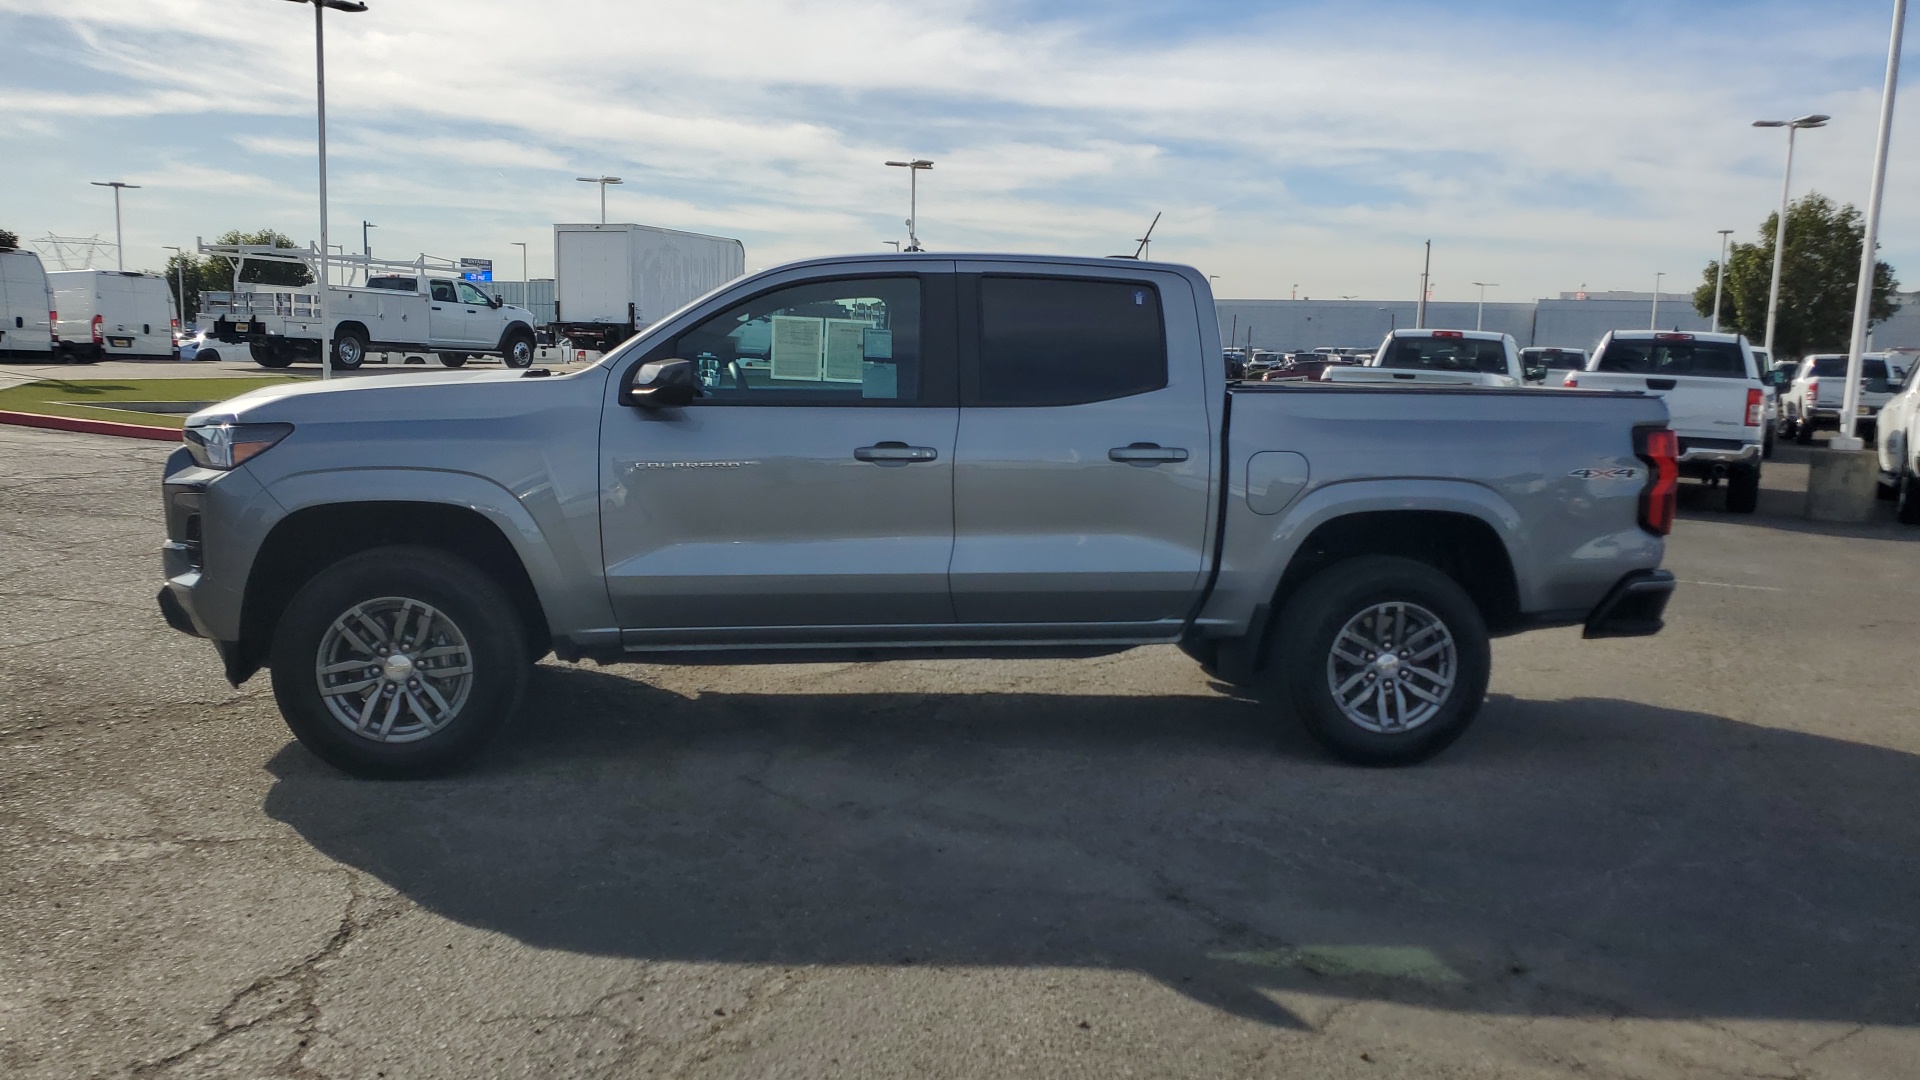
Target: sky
{"x": 1291, "y": 148}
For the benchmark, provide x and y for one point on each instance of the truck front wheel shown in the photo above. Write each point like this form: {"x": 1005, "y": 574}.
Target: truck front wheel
{"x": 518, "y": 352}
{"x": 1384, "y": 659}
{"x": 398, "y": 662}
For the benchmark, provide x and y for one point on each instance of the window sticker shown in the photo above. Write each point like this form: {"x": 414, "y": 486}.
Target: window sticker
{"x": 845, "y": 349}
{"x": 796, "y": 348}
{"x": 877, "y": 344}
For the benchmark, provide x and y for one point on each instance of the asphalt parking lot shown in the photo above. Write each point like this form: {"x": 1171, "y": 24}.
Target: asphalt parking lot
{"x": 1691, "y": 855}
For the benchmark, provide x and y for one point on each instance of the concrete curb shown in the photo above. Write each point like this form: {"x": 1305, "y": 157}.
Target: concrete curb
{"x": 91, "y": 427}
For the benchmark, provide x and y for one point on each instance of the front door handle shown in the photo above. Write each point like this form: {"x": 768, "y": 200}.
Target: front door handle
{"x": 436, "y": 307}
{"x": 1145, "y": 454}
{"x": 895, "y": 453}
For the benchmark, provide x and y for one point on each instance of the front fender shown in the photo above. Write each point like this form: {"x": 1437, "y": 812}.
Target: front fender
{"x": 571, "y": 591}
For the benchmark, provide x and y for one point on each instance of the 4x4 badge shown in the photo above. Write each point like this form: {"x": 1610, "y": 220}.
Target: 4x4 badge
{"x": 1605, "y": 474}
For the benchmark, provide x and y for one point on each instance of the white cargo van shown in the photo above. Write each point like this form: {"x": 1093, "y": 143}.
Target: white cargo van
{"x": 26, "y": 308}
{"x": 113, "y": 314}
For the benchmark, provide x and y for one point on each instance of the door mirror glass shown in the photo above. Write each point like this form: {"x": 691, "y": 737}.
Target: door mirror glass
{"x": 496, "y": 301}
{"x": 660, "y": 384}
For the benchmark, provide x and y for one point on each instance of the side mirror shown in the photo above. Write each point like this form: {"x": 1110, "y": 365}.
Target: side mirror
{"x": 661, "y": 384}
{"x": 1536, "y": 374}
{"x": 496, "y": 301}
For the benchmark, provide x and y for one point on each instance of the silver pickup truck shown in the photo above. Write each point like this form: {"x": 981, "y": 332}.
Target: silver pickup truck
{"x": 892, "y": 456}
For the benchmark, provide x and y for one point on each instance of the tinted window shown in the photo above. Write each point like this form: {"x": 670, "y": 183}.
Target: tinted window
{"x": 1680, "y": 356}
{"x": 1554, "y": 359}
{"x": 1835, "y": 367}
{"x": 397, "y": 284}
{"x": 845, "y": 342}
{"x": 1055, "y": 341}
{"x": 443, "y": 290}
{"x": 1446, "y": 354}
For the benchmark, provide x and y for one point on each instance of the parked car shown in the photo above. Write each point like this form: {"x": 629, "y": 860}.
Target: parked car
{"x": 1438, "y": 358}
{"x": 26, "y": 308}
{"x": 1715, "y": 397}
{"x": 200, "y": 344}
{"x": 824, "y": 461}
{"x": 1899, "y": 448}
{"x": 1817, "y": 395}
{"x": 1541, "y": 365}
{"x": 113, "y": 314}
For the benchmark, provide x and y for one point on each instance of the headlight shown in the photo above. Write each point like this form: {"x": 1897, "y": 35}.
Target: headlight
{"x": 223, "y": 444}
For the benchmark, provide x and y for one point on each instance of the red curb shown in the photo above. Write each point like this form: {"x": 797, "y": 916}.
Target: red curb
{"x": 91, "y": 427}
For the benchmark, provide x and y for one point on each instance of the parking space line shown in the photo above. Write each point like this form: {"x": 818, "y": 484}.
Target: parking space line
{"x": 1731, "y": 585}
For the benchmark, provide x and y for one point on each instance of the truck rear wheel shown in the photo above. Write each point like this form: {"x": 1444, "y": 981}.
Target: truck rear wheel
{"x": 1384, "y": 659}
{"x": 1803, "y": 432}
{"x": 453, "y": 359}
{"x": 518, "y": 351}
{"x": 1743, "y": 489}
{"x": 268, "y": 355}
{"x": 1906, "y": 499}
{"x": 349, "y": 349}
{"x": 398, "y": 662}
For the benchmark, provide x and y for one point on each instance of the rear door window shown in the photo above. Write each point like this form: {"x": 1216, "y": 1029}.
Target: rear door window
{"x": 1064, "y": 341}
{"x": 1660, "y": 358}
{"x": 1446, "y": 354}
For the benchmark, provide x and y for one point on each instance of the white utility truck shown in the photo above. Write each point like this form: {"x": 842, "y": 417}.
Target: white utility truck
{"x": 610, "y": 281}
{"x": 423, "y": 305}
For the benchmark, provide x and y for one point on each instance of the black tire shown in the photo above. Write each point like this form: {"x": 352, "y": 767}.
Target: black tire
{"x": 349, "y": 349}
{"x": 1766, "y": 445}
{"x": 269, "y": 356}
{"x": 1302, "y": 665}
{"x": 1743, "y": 490}
{"x": 1906, "y": 500}
{"x": 1803, "y": 433}
{"x": 517, "y": 350}
{"x": 453, "y": 359}
{"x": 211, "y": 356}
{"x": 478, "y": 611}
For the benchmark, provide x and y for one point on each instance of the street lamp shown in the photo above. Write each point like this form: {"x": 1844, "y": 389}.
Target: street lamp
{"x": 1719, "y": 277}
{"x": 1812, "y": 120}
{"x": 119, "y": 251}
{"x": 524, "y": 279}
{"x": 914, "y": 168}
{"x": 603, "y": 181}
{"x": 320, "y": 98}
{"x": 1480, "y": 309}
{"x": 366, "y": 245}
{"x": 1653, "y": 320}
{"x": 1863, "y": 295}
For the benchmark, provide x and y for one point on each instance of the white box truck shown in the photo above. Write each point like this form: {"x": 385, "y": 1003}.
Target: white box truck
{"x": 613, "y": 280}
{"x": 113, "y": 314}
{"x": 26, "y": 308}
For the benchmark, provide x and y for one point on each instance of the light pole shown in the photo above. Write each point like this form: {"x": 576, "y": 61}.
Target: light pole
{"x": 180, "y": 291}
{"x": 320, "y": 98}
{"x": 1653, "y": 320}
{"x": 914, "y": 168}
{"x": 1420, "y": 312}
{"x": 119, "y": 250}
{"x": 525, "y": 281}
{"x": 1863, "y": 295}
{"x": 1480, "y": 309}
{"x": 1719, "y": 277}
{"x": 895, "y": 243}
{"x": 366, "y": 245}
{"x": 603, "y": 181}
{"x": 1811, "y": 120}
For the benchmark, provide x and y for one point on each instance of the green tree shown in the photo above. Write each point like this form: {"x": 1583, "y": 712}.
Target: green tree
{"x": 1818, "y": 279}
{"x": 215, "y": 272}
{"x": 9, "y": 240}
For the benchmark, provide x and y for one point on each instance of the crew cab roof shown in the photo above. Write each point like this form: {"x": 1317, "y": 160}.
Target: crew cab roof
{"x": 1470, "y": 335}
{"x": 1693, "y": 335}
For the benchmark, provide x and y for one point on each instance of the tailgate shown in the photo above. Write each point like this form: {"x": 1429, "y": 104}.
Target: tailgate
{"x": 1398, "y": 375}
{"x": 1703, "y": 406}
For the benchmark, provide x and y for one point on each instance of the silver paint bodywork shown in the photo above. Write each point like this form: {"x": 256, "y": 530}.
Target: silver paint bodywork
{"x": 715, "y": 528}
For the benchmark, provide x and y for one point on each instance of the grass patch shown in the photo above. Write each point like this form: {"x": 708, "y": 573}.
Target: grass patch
{"x": 56, "y": 397}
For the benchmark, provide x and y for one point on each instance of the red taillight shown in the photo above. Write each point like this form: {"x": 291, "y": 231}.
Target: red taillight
{"x": 97, "y": 337}
{"x": 1756, "y": 401}
{"x": 53, "y": 325}
{"x": 1448, "y": 333}
{"x": 1660, "y": 449}
{"x": 1813, "y": 390}
{"x": 1572, "y": 379}
{"x": 176, "y": 325}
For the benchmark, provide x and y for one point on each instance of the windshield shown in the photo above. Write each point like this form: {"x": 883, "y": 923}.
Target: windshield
{"x": 1674, "y": 356}
{"x": 1445, "y": 354}
{"x": 1554, "y": 359}
{"x": 1835, "y": 367}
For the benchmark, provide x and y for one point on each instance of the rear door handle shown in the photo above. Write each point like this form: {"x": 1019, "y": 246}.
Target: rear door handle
{"x": 1146, "y": 454}
{"x": 895, "y": 453}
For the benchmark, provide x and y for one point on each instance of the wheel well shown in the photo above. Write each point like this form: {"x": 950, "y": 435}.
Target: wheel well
{"x": 1461, "y": 546}
{"x": 364, "y": 334}
{"x": 512, "y": 329}
{"x": 311, "y": 540}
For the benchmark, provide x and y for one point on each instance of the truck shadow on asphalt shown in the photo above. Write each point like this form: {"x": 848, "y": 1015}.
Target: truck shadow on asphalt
{"x": 1582, "y": 857}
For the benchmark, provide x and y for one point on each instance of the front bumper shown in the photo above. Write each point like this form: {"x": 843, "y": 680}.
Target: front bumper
{"x": 1633, "y": 607}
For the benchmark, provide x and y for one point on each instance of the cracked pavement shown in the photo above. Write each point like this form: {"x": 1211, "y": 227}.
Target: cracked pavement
{"x": 1692, "y": 855}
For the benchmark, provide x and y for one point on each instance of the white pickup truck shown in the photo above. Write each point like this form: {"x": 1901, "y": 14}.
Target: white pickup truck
{"x": 417, "y": 306}
{"x": 1819, "y": 388}
{"x": 1437, "y": 358}
{"x": 1715, "y": 394}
